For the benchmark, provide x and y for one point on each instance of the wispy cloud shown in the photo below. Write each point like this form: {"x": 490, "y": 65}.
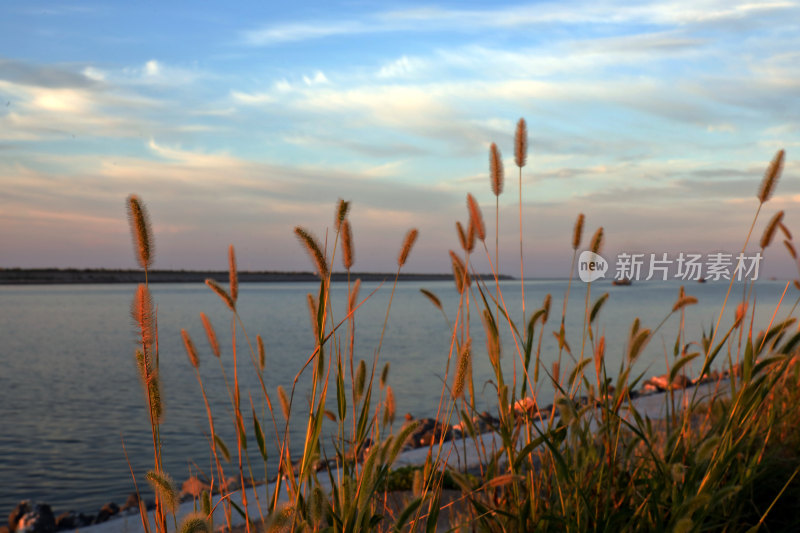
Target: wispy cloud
{"x": 301, "y": 32}
{"x": 43, "y": 76}
{"x": 676, "y": 12}
{"x": 400, "y": 67}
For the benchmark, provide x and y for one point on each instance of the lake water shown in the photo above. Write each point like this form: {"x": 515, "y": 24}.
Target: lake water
{"x": 70, "y": 394}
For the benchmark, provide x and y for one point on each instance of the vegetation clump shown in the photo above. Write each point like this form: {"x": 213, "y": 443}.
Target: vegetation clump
{"x": 724, "y": 456}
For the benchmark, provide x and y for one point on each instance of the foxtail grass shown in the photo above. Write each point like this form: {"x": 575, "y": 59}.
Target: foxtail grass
{"x": 723, "y": 459}
{"x": 521, "y": 158}
{"x": 142, "y": 232}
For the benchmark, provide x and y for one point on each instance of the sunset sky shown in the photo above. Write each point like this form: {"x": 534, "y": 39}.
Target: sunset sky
{"x": 236, "y": 122}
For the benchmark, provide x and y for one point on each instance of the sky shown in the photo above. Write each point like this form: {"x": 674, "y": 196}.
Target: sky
{"x": 235, "y": 123}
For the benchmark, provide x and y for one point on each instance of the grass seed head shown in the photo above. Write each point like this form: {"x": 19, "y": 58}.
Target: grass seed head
{"x": 164, "y": 487}
{"x": 211, "y": 334}
{"x": 314, "y": 250}
{"x": 683, "y": 301}
{"x": 142, "y": 232}
{"x": 233, "y": 276}
{"x": 556, "y": 372}
{"x": 496, "y": 169}
{"x": 313, "y": 309}
{"x": 462, "y": 237}
{"x": 785, "y": 230}
{"x": 476, "y": 217}
{"x": 493, "y": 346}
{"x": 384, "y": 374}
{"x": 408, "y": 243}
{"x": 521, "y": 143}
{"x": 284, "y": 402}
{"x": 433, "y": 298}
{"x": 790, "y": 248}
{"x": 347, "y": 245}
{"x": 597, "y": 241}
{"x": 142, "y": 314}
{"x": 471, "y": 236}
{"x": 191, "y": 351}
{"x": 460, "y": 275}
{"x": 342, "y": 208}
{"x": 195, "y": 523}
{"x": 391, "y": 406}
{"x": 771, "y": 229}
{"x": 262, "y": 357}
{"x": 361, "y": 378}
{"x": 577, "y": 232}
{"x": 222, "y": 293}
{"x": 771, "y": 177}
{"x": 462, "y": 368}
{"x": 599, "y": 356}
{"x": 352, "y": 301}
{"x": 154, "y": 396}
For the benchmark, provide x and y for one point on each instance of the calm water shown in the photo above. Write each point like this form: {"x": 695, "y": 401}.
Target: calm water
{"x": 70, "y": 394}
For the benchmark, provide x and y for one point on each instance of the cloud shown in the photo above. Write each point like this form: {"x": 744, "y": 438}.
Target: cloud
{"x": 720, "y": 13}
{"x": 194, "y": 158}
{"x": 152, "y": 68}
{"x": 252, "y": 98}
{"x": 376, "y": 148}
{"x": 43, "y": 76}
{"x": 61, "y": 100}
{"x": 195, "y": 216}
{"x": 399, "y": 68}
{"x": 156, "y": 73}
{"x": 49, "y": 102}
{"x": 318, "y": 79}
{"x": 644, "y": 115}
{"x": 300, "y": 32}
{"x": 94, "y": 74}
{"x": 44, "y": 113}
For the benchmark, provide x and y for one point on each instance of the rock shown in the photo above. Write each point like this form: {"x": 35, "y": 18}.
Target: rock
{"x": 106, "y": 512}
{"x": 19, "y": 511}
{"x": 40, "y": 520}
{"x": 711, "y": 377}
{"x": 525, "y": 405}
{"x": 648, "y": 388}
{"x": 661, "y": 383}
{"x": 67, "y": 520}
{"x": 132, "y": 502}
{"x": 430, "y": 430}
{"x": 85, "y": 519}
{"x": 485, "y": 422}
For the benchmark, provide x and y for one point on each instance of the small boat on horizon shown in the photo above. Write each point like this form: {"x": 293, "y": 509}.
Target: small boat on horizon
{"x": 622, "y": 282}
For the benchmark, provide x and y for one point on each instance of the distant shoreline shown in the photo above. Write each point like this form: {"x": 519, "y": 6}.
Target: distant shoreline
{"x": 57, "y": 276}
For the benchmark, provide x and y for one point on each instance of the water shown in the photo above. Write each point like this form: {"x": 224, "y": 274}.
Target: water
{"x": 70, "y": 395}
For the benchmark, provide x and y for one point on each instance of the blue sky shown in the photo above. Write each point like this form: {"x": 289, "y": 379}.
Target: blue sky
{"x": 234, "y": 123}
